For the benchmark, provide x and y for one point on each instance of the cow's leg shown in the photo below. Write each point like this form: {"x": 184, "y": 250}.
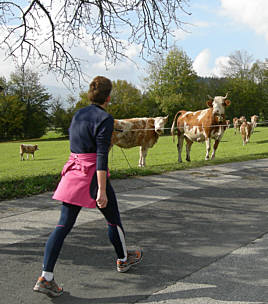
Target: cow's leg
{"x": 208, "y": 143}
{"x": 32, "y": 155}
{"x": 143, "y": 154}
{"x": 21, "y": 156}
{"x": 215, "y": 148}
{"x": 248, "y": 135}
{"x": 188, "y": 148}
{"x": 179, "y": 146}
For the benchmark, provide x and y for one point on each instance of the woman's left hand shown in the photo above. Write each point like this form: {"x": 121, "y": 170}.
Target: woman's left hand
{"x": 101, "y": 199}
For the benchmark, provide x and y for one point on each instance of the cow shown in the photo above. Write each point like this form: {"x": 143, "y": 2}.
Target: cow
{"x": 246, "y": 130}
{"x": 133, "y": 132}
{"x": 202, "y": 125}
{"x": 254, "y": 119}
{"x": 228, "y": 124}
{"x": 242, "y": 119}
{"x": 28, "y": 149}
{"x": 237, "y": 122}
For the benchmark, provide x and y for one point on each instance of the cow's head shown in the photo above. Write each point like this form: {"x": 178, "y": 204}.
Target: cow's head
{"x": 218, "y": 103}
{"x": 242, "y": 119}
{"x": 159, "y": 124}
{"x": 36, "y": 147}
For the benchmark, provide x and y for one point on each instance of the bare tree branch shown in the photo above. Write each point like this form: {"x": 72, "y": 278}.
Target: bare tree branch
{"x": 47, "y": 31}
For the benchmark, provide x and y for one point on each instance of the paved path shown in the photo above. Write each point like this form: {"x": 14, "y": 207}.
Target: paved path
{"x": 203, "y": 231}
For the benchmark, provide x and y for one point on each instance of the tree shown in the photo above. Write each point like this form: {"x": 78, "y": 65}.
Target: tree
{"x": 25, "y": 85}
{"x": 60, "y": 118}
{"x": 247, "y": 83}
{"x": 48, "y": 31}
{"x": 239, "y": 65}
{"x": 245, "y": 98}
{"x": 126, "y": 100}
{"x": 11, "y": 117}
{"x": 172, "y": 82}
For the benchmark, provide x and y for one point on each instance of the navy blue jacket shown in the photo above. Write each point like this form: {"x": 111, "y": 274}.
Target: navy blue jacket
{"x": 90, "y": 132}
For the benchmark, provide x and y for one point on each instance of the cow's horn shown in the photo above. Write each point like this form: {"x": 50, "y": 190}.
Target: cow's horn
{"x": 210, "y": 97}
{"x": 225, "y": 96}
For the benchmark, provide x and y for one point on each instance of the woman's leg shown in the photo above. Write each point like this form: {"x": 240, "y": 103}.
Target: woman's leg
{"x": 111, "y": 213}
{"x": 54, "y": 243}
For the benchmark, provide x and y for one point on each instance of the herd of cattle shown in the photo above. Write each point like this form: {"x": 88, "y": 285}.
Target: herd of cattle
{"x": 199, "y": 126}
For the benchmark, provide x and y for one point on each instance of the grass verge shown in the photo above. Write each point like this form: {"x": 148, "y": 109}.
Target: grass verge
{"x": 25, "y": 178}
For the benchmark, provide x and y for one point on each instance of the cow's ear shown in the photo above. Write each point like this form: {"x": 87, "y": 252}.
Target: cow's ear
{"x": 227, "y": 102}
{"x": 209, "y": 103}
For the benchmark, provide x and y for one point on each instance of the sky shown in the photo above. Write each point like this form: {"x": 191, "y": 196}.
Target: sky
{"x": 214, "y": 30}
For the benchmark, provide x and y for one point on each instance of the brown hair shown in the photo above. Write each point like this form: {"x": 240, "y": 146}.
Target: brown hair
{"x": 99, "y": 89}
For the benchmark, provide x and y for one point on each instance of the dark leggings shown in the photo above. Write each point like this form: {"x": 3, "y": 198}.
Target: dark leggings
{"x": 67, "y": 219}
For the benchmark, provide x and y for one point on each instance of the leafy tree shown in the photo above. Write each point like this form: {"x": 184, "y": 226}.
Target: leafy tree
{"x": 26, "y": 86}
{"x": 246, "y": 98}
{"x": 149, "y": 106}
{"x": 172, "y": 82}
{"x": 48, "y": 31}
{"x": 126, "y": 100}
{"x": 259, "y": 74}
{"x": 3, "y": 84}
{"x": 60, "y": 118}
{"x": 11, "y": 117}
{"x": 83, "y": 101}
{"x": 248, "y": 85}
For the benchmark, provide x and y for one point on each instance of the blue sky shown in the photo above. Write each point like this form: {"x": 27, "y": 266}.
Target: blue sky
{"x": 223, "y": 27}
{"x": 214, "y": 30}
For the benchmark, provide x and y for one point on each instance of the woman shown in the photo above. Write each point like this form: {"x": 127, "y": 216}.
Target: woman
{"x": 85, "y": 183}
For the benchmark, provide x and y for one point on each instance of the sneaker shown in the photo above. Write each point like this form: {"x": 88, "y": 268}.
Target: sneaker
{"x": 50, "y": 288}
{"x": 133, "y": 257}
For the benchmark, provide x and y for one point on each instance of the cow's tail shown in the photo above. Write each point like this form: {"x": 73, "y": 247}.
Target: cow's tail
{"x": 173, "y": 126}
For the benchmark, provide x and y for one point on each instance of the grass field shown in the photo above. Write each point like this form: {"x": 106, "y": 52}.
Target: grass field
{"x": 22, "y": 178}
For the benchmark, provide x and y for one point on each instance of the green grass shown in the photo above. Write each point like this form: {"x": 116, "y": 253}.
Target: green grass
{"x": 23, "y": 178}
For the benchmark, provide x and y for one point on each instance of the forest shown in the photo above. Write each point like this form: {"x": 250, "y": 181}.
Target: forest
{"x": 27, "y": 110}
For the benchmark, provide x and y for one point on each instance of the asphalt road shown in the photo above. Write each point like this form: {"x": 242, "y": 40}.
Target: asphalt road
{"x": 203, "y": 232}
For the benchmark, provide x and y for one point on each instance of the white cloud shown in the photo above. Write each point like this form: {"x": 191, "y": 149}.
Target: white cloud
{"x": 7, "y": 65}
{"x": 253, "y": 13}
{"x": 180, "y": 34}
{"x": 188, "y": 29}
{"x": 220, "y": 62}
{"x": 202, "y": 65}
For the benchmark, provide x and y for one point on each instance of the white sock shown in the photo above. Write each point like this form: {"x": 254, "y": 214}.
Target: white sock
{"x": 123, "y": 260}
{"x": 47, "y": 275}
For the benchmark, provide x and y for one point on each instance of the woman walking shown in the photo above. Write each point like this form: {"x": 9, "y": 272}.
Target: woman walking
{"x": 85, "y": 183}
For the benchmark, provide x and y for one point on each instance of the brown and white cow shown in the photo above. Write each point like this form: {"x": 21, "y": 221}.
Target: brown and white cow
{"x": 228, "y": 124}
{"x": 246, "y": 130}
{"x": 254, "y": 119}
{"x": 202, "y": 125}
{"x": 28, "y": 149}
{"x": 237, "y": 122}
{"x": 134, "y": 132}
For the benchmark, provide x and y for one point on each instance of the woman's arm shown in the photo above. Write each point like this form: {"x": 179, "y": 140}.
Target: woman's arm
{"x": 101, "y": 194}
{"x": 103, "y": 140}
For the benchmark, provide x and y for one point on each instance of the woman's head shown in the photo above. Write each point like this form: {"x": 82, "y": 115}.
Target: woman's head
{"x": 99, "y": 90}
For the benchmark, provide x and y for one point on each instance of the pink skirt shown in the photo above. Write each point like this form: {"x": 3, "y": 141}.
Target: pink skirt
{"x": 76, "y": 177}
